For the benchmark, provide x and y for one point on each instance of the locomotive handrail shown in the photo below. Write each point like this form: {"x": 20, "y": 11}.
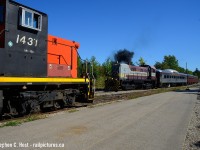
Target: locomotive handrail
{"x": 59, "y": 57}
{"x": 68, "y": 46}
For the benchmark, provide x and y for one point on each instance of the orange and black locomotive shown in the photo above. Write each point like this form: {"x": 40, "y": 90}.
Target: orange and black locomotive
{"x": 37, "y": 70}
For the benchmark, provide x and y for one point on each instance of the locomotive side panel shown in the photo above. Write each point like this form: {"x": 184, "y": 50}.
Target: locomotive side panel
{"x": 62, "y": 57}
{"x": 2, "y": 24}
{"x": 24, "y": 52}
{"x": 133, "y": 73}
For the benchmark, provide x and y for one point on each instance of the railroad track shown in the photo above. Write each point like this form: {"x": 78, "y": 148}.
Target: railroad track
{"x": 102, "y": 93}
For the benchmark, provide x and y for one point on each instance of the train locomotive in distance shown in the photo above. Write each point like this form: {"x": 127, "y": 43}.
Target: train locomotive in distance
{"x": 37, "y": 70}
{"x": 127, "y": 77}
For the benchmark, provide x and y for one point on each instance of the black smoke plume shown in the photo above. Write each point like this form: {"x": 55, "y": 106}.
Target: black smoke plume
{"x": 124, "y": 56}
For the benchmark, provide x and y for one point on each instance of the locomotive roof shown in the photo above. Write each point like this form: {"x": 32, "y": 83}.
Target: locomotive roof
{"x": 144, "y": 66}
{"x": 14, "y": 2}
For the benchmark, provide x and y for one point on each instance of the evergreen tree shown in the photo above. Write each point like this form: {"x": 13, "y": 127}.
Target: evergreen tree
{"x": 107, "y": 67}
{"x": 141, "y": 62}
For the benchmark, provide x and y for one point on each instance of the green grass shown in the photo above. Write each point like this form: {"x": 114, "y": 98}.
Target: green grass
{"x": 19, "y": 121}
{"x": 34, "y": 117}
{"x": 11, "y": 123}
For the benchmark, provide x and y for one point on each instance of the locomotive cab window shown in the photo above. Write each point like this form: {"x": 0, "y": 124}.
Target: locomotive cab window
{"x": 30, "y": 19}
{"x": 1, "y": 14}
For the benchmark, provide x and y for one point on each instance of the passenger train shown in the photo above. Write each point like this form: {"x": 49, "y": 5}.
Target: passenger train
{"x": 126, "y": 77}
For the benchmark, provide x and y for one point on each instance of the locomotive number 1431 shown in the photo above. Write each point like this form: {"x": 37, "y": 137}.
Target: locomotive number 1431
{"x": 29, "y": 41}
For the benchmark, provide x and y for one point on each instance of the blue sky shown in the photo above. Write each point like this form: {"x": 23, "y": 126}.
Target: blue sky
{"x": 150, "y": 28}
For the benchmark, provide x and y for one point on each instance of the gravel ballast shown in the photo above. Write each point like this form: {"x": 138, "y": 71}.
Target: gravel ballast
{"x": 192, "y": 141}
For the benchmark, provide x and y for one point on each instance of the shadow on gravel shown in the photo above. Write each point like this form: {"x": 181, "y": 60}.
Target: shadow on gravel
{"x": 188, "y": 91}
{"x": 197, "y": 144}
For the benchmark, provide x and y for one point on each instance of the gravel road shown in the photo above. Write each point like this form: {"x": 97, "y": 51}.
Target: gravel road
{"x": 156, "y": 122}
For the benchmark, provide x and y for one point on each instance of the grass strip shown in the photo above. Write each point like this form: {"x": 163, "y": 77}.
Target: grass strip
{"x": 19, "y": 121}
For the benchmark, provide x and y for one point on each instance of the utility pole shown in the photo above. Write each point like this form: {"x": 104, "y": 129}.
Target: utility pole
{"x": 186, "y": 68}
{"x": 186, "y": 77}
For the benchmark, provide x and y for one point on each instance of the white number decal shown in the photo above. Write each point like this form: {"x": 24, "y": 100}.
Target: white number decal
{"x": 24, "y": 40}
{"x": 17, "y": 39}
{"x": 30, "y": 41}
{"x": 36, "y": 41}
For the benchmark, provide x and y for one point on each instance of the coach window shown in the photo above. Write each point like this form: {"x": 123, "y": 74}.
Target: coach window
{"x": 30, "y": 19}
{"x": 1, "y": 14}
